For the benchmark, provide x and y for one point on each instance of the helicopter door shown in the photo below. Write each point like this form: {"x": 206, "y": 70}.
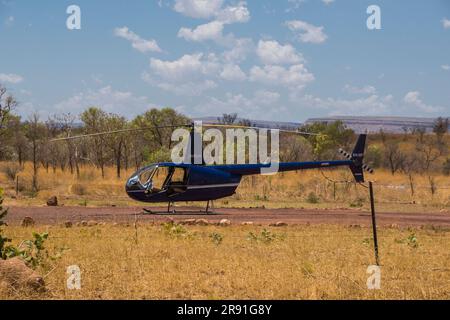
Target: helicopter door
{"x": 177, "y": 182}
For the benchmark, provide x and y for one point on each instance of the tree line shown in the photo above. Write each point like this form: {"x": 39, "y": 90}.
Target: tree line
{"x": 29, "y": 140}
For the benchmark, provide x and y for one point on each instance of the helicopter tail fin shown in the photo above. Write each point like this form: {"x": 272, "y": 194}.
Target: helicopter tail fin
{"x": 357, "y": 157}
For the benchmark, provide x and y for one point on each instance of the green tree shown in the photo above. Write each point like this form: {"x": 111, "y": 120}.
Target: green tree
{"x": 94, "y": 120}
{"x": 330, "y": 137}
{"x": 158, "y": 126}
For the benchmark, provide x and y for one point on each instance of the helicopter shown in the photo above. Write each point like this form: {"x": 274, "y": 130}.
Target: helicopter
{"x": 169, "y": 182}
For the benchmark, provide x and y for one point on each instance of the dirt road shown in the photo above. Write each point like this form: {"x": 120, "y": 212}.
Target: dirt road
{"x": 58, "y": 215}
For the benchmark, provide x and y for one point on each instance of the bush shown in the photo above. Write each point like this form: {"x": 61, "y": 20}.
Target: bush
{"x": 78, "y": 189}
{"x": 11, "y": 171}
{"x": 446, "y": 168}
{"x": 3, "y": 240}
{"x": 312, "y": 198}
{"x": 216, "y": 238}
{"x": 358, "y": 203}
{"x": 32, "y": 252}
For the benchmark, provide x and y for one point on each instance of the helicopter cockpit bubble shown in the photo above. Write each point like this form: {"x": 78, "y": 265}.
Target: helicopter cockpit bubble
{"x": 142, "y": 180}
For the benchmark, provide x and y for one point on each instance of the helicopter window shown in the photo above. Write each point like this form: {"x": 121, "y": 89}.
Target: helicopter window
{"x": 159, "y": 178}
{"x": 178, "y": 176}
{"x": 146, "y": 176}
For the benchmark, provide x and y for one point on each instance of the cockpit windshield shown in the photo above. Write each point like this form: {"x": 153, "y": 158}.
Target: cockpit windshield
{"x": 145, "y": 177}
{"x": 157, "y": 178}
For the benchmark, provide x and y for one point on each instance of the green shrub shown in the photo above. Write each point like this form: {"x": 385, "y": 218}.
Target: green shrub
{"x": 216, "y": 238}
{"x": 358, "y": 203}
{"x": 312, "y": 198}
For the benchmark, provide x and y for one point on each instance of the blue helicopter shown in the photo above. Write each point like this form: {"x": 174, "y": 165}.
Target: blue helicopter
{"x": 187, "y": 182}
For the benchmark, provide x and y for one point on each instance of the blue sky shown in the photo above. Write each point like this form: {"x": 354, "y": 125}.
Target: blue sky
{"x": 271, "y": 60}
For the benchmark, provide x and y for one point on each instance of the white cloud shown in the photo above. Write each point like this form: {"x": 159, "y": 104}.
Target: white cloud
{"x": 110, "y": 100}
{"x": 9, "y": 21}
{"x": 413, "y": 98}
{"x": 189, "y": 88}
{"x": 360, "y": 90}
{"x": 265, "y": 97}
{"x": 294, "y": 77}
{"x": 10, "y": 78}
{"x": 240, "y": 48}
{"x": 254, "y": 107}
{"x": 327, "y": 2}
{"x": 209, "y": 31}
{"x": 446, "y": 23}
{"x": 294, "y": 4}
{"x": 272, "y": 52}
{"x": 445, "y": 67}
{"x": 137, "y": 42}
{"x": 307, "y": 32}
{"x": 234, "y": 14}
{"x": 232, "y": 72}
{"x": 185, "y": 68}
{"x": 190, "y": 75}
{"x": 198, "y": 8}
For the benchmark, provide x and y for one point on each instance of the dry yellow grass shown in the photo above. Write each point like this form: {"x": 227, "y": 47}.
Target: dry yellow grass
{"x": 283, "y": 190}
{"x": 303, "y": 262}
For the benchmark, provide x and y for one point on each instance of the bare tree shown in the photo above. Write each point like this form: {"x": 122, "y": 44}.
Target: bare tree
{"x": 394, "y": 157}
{"x": 34, "y": 132}
{"x": 228, "y": 118}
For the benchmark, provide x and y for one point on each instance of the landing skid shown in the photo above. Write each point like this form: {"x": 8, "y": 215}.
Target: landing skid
{"x": 172, "y": 211}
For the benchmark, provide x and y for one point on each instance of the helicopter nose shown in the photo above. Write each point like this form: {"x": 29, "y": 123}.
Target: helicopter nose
{"x": 133, "y": 182}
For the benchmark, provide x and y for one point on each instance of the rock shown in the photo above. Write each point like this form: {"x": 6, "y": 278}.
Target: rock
{"x": 84, "y": 223}
{"x": 52, "y": 201}
{"x": 248, "y": 223}
{"x": 28, "y": 222}
{"x": 188, "y": 222}
{"x": 92, "y": 223}
{"x": 202, "y": 222}
{"x": 225, "y": 223}
{"x": 279, "y": 224}
{"x": 68, "y": 224}
{"x": 355, "y": 226}
{"x": 15, "y": 275}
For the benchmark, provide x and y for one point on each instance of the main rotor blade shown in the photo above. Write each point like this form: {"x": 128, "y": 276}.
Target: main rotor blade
{"x": 90, "y": 135}
{"x": 260, "y": 128}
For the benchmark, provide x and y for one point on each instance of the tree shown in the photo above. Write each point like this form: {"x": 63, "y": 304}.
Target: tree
{"x": 116, "y": 141}
{"x": 228, "y": 119}
{"x": 297, "y": 149}
{"x": 394, "y": 157}
{"x": 34, "y": 132}
{"x": 158, "y": 125}
{"x": 66, "y": 124}
{"x": 7, "y": 105}
{"x": 440, "y": 128}
{"x": 94, "y": 120}
{"x": 17, "y": 138}
{"x": 329, "y": 138}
